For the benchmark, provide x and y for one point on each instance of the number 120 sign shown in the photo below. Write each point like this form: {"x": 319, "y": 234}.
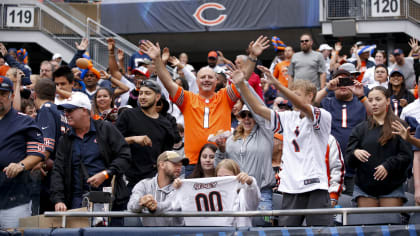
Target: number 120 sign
{"x": 381, "y": 8}
{"x": 20, "y": 17}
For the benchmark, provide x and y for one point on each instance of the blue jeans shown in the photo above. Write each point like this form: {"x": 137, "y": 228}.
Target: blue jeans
{"x": 265, "y": 204}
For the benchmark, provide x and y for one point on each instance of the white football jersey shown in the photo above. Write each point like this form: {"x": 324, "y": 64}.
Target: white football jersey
{"x": 304, "y": 148}
{"x": 208, "y": 194}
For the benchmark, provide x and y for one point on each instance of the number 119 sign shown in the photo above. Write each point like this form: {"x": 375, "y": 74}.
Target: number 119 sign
{"x": 20, "y": 17}
{"x": 384, "y": 8}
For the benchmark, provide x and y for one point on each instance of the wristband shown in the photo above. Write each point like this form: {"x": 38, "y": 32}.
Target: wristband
{"x": 362, "y": 99}
{"x": 106, "y": 174}
{"x": 334, "y": 200}
{"x": 251, "y": 59}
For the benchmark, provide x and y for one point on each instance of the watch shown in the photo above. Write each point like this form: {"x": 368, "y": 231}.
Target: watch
{"x": 23, "y": 165}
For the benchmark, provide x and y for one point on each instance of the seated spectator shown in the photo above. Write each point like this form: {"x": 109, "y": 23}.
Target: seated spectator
{"x": 400, "y": 96}
{"x": 205, "y": 165}
{"x": 155, "y": 194}
{"x": 380, "y": 158}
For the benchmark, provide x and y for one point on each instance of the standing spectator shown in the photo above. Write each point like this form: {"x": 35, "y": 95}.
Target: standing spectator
{"x": 183, "y": 58}
{"x": 405, "y": 66}
{"x": 87, "y": 158}
{"x": 21, "y": 148}
{"x": 380, "y": 158}
{"x": 335, "y": 169}
{"x": 156, "y": 194}
{"x": 205, "y": 165}
{"x": 338, "y": 58}
{"x": 64, "y": 80}
{"x": 348, "y": 108}
{"x": 400, "y": 96}
{"x": 369, "y": 76}
{"x": 46, "y": 70}
{"x": 304, "y": 181}
{"x": 281, "y": 71}
{"x": 276, "y": 160}
{"x": 212, "y": 58}
{"x": 363, "y": 61}
{"x": 279, "y": 47}
{"x": 53, "y": 125}
{"x": 12, "y": 62}
{"x": 325, "y": 50}
{"x": 206, "y": 112}
{"x": 147, "y": 132}
{"x": 102, "y": 102}
{"x": 308, "y": 64}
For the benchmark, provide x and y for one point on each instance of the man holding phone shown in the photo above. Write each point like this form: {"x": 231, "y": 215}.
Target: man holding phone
{"x": 348, "y": 107}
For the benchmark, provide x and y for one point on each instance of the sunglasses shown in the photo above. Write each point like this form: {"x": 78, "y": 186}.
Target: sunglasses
{"x": 245, "y": 114}
{"x": 68, "y": 111}
{"x": 304, "y": 41}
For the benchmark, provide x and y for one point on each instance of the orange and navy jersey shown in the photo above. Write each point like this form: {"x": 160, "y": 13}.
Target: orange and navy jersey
{"x": 203, "y": 117}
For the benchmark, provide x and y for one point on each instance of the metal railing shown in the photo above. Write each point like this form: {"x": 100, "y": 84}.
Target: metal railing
{"x": 361, "y": 10}
{"x": 69, "y": 26}
{"x": 330, "y": 211}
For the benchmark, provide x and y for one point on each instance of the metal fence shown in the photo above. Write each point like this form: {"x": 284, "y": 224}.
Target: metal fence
{"x": 362, "y": 9}
{"x": 330, "y": 211}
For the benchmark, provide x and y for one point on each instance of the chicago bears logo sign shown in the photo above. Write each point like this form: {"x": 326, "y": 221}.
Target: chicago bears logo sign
{"x": 198, "y": 15}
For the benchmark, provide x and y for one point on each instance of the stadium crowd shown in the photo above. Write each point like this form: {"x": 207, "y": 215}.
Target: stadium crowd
{"x": 165, "y": 136}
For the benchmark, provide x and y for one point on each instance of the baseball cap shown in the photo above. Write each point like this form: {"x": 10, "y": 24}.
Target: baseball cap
{"x": 212, "y": 54}
{"x": 285, "y": 102}
{"x": 56, "y": 55}
{"x": 324, "y": 46}
{"x": 142, "y": 70}
{"x": 350, "y": 68}
{"x": 77, "y": 100}
{"x": 397, "y": 51}
{"x": 173, "y": 157}
{"x": 396, "y": 70}
{"x": 341, "y": 72}
{"x": 6, "y": 84}
{"x": 151, "y": 84}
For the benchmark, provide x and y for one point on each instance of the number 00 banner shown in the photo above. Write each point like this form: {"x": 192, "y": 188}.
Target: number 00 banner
{"x": 208, "y": 194}
{"x": 125, "y": 17}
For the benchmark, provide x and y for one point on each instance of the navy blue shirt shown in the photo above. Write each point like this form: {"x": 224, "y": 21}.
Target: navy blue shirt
{"x": 417, "y": 135}
{"x": 53, "y": 124}
{"x": 345, "y": 116}
{"x": 86, "y": 150}
{"x": 19, "y": 137}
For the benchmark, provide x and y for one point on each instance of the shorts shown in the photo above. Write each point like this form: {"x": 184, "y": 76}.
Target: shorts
{"x": 396, "y": 193}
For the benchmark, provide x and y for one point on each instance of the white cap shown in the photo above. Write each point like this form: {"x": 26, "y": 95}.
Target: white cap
{"x": 324, "y": 46}
{"x": 77, "y": 100}
{"x": 56, "y": 55}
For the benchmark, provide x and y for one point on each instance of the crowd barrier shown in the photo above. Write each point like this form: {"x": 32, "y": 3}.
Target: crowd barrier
{"x": 397, "y": 230}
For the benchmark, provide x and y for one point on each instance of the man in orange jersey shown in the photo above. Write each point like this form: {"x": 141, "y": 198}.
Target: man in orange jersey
{"x": 206, "y": 112}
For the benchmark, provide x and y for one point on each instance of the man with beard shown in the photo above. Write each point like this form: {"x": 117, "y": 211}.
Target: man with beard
{"x": 156, "y": 194}
{"x": 46, "y": 70}
{"x": 406, "y": 66}
{"x": 348, "y": 108}
{"x": 307, "y": 64}
{"x": 147, "y": 132}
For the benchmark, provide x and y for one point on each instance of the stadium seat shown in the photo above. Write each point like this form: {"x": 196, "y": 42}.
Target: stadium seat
{"x": 161, "y": 231}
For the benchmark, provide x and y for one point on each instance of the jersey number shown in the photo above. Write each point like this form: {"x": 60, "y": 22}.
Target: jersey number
{"x": 206, "y": 117}
{"x": 204, "y": 203}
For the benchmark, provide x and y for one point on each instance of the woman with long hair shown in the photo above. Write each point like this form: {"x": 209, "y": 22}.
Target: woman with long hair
{"x": 103, "y": 105}
{"x": 381, "y": 159}
{"x": 205, "y": 165}
{"x": 400, "y": 96}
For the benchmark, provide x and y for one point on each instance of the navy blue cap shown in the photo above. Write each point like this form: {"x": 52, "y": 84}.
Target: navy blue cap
{"x": 397, "y": 51}
{"x": 6, "y": 84}
{"x": 396, "y": 70}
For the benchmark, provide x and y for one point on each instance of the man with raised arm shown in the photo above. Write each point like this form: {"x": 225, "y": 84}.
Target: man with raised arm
{"x": 304, "y": 181}
{"x": 206, "y": 112}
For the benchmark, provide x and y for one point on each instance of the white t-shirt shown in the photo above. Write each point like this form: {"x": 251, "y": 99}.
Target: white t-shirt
{"x": 304, "y": 148}
{"x": 208, "y": 194}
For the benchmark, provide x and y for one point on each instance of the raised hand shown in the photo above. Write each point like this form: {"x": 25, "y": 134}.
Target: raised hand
{"x": 174, "y": 61}
{"x": 270, "y": 78}
{"x": 165, "y": 55}
{"x": 332, "y": 84}
{"x": 257, "y": 47}
{"x": 111, "y": 44}
{"x": 357, "y": 89}
{"x": 83, "y": 44}
{"x": 337, "y": 46}
{"x": 104, "y": 75}
{"x": 152, "y": 50}
{"x": 236, "y": 75}
{"x": 414, "y": 45}
{"x": 400, "y": 130}
{"x": 120, "y": 54}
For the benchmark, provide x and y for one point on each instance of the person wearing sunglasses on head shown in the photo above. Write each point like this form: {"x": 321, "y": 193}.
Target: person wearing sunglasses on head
{"x": 308, "y": 64}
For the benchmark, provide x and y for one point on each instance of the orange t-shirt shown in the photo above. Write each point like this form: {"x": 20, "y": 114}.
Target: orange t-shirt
{"x": 203, "y": 117}
{"x": 279, "y": 75}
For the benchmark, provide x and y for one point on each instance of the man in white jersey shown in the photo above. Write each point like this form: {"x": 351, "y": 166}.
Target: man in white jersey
{"x": 156, "y": 195}
{"x": 304, "y": 181}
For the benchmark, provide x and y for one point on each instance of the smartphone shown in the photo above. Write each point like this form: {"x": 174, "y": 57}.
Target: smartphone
{"x": 346, "y": 81}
